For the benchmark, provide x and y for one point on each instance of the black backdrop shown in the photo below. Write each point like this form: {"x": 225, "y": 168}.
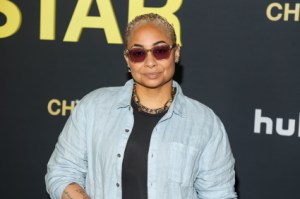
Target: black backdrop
{"x": 241, "y": 58}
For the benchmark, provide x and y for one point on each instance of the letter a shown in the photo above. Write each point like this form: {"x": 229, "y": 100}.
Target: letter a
{"x": 136, "y": 7}
{"x": 81, "y": 20}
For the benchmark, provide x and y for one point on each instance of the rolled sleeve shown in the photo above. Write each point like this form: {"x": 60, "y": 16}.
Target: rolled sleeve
{"x": 216, "y": 176}
{"x": 68, "y": 162}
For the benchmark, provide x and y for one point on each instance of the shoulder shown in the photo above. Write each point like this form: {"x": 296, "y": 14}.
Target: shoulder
{"x": 108, "y": 95}
{"x": 102, "y": 94}
{"x": 200, "y": 113}
{"x": 100, "y": 98}
{"x": 95, "y": 100}
{"x": 193, "y": 107}
{"x": 193, "y": 110}
{"x": 196, "y": 106}
{"x": 188, "y": 107}
{"x": 99, "y": 95}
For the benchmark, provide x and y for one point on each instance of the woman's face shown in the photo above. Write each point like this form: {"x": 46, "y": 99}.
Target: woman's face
{"x": 151, "y": 72}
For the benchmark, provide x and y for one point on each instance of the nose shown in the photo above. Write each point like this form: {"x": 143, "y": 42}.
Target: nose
{"x": 150, "y": 60}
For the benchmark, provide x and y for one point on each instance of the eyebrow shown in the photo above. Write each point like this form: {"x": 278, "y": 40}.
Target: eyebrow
{"x": 154, "y": 44}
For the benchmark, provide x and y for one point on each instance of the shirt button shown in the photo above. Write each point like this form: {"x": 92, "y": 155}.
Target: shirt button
{"x": 126, "y": 130}
{"x": 119, "y": 155}
{"x": 117, "y": 184}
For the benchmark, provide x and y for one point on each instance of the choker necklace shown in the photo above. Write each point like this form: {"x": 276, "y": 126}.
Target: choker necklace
{"x": 143, "y": 108}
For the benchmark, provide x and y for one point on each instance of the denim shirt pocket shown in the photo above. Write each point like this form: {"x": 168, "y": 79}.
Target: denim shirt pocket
{"x": 183, "y": 164}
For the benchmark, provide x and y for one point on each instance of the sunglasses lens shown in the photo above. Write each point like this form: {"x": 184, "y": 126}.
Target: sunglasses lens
{"x": 137, "y": 55}
{"x": 161, "y": 52}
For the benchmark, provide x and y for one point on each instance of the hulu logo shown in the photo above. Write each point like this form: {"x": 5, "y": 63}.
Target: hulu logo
{"x": 260, "y": 120}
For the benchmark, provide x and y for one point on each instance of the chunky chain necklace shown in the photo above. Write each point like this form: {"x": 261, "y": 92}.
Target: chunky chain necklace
{"x": 149, "y": 110}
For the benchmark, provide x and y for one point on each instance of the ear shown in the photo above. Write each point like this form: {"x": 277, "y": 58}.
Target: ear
{"x": 177, "y": 53}
{"x": 126, "y": 59}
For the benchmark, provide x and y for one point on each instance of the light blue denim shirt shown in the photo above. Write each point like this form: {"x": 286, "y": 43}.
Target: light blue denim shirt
{"x": 189, "y": 155}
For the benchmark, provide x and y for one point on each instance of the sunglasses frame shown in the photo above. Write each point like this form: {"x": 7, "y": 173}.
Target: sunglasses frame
{"x": 127, "y": 52}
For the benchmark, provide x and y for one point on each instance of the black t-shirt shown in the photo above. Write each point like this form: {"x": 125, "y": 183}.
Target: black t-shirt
{"x": 134, "y": 168}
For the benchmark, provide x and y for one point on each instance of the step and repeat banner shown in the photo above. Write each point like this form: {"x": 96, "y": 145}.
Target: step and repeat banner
{"x": 241, "y": 58}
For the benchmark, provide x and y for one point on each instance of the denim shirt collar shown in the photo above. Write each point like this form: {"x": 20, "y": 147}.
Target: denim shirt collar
{"x": 178, "y": 105}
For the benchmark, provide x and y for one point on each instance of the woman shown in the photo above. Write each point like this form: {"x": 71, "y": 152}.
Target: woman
{"x": 145, "y": 139}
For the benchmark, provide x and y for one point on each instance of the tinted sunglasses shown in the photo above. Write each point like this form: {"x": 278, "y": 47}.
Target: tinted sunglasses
{"x": 159, "y": 52}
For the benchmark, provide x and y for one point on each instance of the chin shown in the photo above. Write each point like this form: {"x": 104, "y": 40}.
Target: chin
{"x": 154, "y": 83}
